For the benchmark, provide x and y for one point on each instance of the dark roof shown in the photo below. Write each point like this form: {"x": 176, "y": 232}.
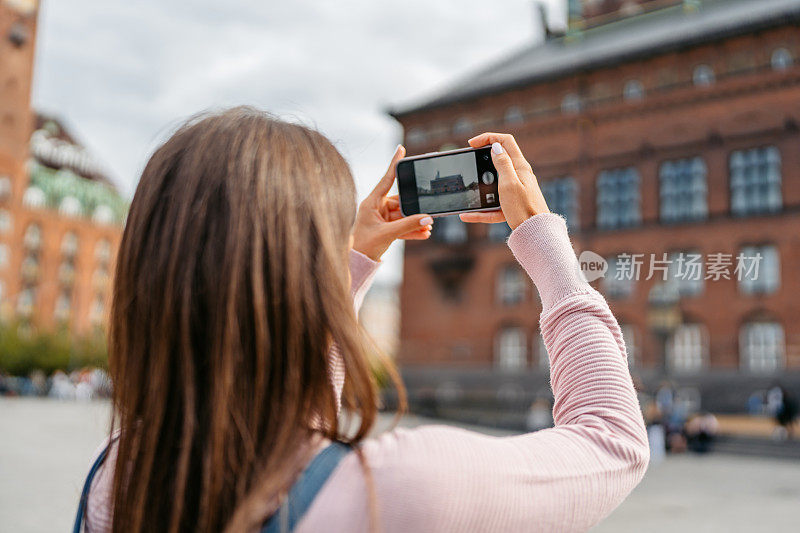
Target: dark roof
{"x": 625, "y": 40}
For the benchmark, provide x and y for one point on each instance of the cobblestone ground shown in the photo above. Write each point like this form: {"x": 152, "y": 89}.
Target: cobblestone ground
{"x": 45, "y": 447}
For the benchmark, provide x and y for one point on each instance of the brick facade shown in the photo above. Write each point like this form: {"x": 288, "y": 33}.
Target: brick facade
{"x": 749, "y": 104}
{"x": 44, "y": 268}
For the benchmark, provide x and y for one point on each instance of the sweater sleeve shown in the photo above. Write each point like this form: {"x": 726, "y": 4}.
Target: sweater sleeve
{"x": 362, "y": 272}
{"x": 566, "y": 478}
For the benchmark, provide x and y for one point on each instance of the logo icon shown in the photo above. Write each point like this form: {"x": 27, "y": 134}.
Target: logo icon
{"x": 593, "y": 266}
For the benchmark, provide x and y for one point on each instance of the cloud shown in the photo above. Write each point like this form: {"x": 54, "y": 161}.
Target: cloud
{"x": 123, "y": 74}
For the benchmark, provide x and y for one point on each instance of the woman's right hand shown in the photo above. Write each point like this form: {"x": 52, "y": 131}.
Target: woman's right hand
{"x": 519, "y": 192}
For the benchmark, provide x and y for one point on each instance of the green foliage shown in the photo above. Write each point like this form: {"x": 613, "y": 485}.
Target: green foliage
{"x": 22, "y": 351}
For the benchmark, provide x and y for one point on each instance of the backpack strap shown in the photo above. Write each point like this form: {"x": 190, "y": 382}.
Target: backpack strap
{"x": 87, "y": 485}
{"x": 305, "y": 489}
{"x": 297, "y": 502}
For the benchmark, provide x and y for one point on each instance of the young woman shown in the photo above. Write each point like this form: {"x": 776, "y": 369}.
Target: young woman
{"x": 234, "y": 339}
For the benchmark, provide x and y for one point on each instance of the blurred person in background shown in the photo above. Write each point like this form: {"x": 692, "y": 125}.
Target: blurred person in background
{"x": 61, "y": 387}
{"x": 786, "y": 413}
{"x": 540, "y": 415}
{"x": 656, "y": 434}
{"x": 234, "y": 341}
{"x": 774, "y": 400}
{"x": 701, "y": 430}
{"x": 38, "y": 383}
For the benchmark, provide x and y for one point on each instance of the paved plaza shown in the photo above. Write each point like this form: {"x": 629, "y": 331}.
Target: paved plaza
{"x": 45, "y": 447}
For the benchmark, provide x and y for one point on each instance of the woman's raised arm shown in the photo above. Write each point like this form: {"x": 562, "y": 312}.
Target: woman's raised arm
{"x": 566, "y": 478}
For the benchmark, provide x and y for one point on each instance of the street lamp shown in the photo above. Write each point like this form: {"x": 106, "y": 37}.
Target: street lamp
{"x": 664, "y": 316}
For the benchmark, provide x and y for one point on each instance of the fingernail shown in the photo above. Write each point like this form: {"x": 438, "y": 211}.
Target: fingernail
{"x": 497, "y": 148}
{"x": 427, "y": 221}
{"x": 398, "y": 148}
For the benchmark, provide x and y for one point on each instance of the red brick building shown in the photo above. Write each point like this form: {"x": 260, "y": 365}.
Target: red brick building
{"x": 661, "y": 127}
{"x": 60, "y": 217}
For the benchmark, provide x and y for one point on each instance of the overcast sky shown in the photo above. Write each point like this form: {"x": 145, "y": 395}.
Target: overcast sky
{"x": 123, "y": 74}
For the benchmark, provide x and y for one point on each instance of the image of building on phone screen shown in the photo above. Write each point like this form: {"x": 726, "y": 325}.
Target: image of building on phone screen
{"x": 447, "y": 183}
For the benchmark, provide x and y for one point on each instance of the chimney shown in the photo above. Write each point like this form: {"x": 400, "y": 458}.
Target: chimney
{"x": 548, "y": 29}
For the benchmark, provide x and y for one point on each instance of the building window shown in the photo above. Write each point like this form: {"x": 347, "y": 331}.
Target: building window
{"x": 102, "y": 251}
{"x": 686, "y": 272}
{"x": 511, "y": 349}
{"x": 100, "y": 278}
{"x": 25, "y": 302}
{"x": 571, "y": 104}
{"x": 30, "y": 268}
{"x": 618, "y": 198}
{"x": 629, "y": 338}
{"x": 450, "y": 230}
{"x": 463, "y": 126}
{"x": 756, "y": 181}
{"x": 5, "y": 188}
{"x": 6, "y": 221}
{"x": 499, "y": 232}
{"x": 683, "y": 191}
{"x": 510, "y": 285}
{"x": 66, "y": 274}
{"x": 69, "y": 244}
{"x": 416, "y": 137}
{"x": 514, "y": 116}
{"x": 33, "y": 237}
{"x": 70, "y": 207}
{"x": 5, "y": 256}
{"x": 703, "y": 76}
{"x": 562, "y": 198}
{"x": 619, "y": 279}
{"x": 34, "y": 197}
{"x": 97, "y": 310}
{"x": 758, "y": 269}
{"x": 781, "y": 59}
{"x": 687, "y": 348}
{"x": 761, "y": 346}
{"x": 63, "y": 306}
{"x": 633, "y": 91}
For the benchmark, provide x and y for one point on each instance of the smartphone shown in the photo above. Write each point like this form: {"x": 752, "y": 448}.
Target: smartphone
{"x": 446, "y": 183}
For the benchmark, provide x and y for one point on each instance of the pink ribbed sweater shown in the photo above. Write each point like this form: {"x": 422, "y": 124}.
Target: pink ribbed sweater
{"x": 438, "y": 478}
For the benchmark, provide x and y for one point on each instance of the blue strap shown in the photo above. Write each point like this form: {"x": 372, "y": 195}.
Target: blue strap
{"x": 305, "y": 489}
{"x": 87, "y": 485}
{"x": 300, "y": 497}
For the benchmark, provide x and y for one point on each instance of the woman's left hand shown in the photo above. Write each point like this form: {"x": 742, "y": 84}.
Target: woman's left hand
{"x": 379, "y": 221}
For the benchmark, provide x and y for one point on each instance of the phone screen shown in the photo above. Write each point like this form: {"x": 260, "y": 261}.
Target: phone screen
{"x": 449, "y": 182}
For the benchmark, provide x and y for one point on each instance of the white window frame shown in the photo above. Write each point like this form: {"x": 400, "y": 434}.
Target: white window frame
{"x": 687, "y": 348}
{"x": 511, "y": 348}
{"x": 633, "y": 91}
{"x": 768, "y": 278}
{"x": 514, "y": 116}
{"x": 756, "y": 181}
{"x": 781, "y": 59}
{"x": 451, "y": 230}
{"x": 703, "y": 76}
{"x": 762, "y": 347}
{"x": 463, "y": 126}
{"x": 511, "y": 285}
{"x": 571, "y": 104}
{"x": 619, "y": 207}
{"x": 683, "y": 190}
{"x": 614, "y": 288}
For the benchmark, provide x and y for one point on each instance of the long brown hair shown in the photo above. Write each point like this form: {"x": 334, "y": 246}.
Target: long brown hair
{"x": 231, "y": 289}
